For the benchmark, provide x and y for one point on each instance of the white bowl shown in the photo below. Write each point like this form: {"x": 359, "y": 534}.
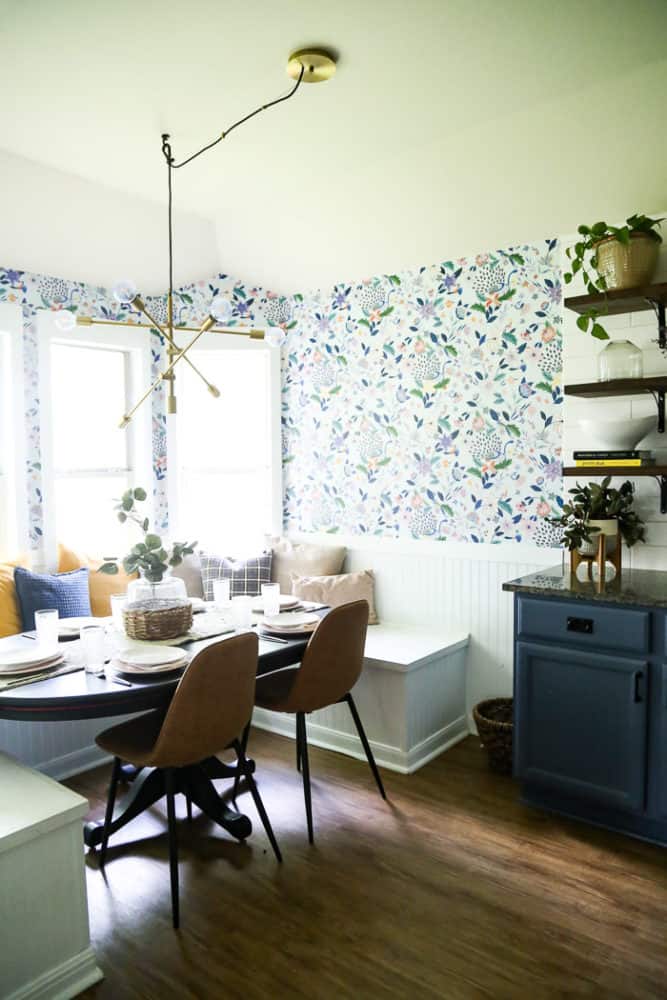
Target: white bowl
{"x": 616, "y": 435}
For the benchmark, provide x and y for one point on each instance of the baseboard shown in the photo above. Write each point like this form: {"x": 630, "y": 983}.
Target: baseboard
{"x": 392, "y": 758}
{"x": 64, "y": 981}
{"x": 83, "y": 759}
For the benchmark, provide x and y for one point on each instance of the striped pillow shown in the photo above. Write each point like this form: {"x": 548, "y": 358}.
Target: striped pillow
{"x": 245, "y": 576}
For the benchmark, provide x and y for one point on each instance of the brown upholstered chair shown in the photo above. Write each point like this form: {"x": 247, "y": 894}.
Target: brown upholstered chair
{"x": 210, "y": 708}
{"x": 330, "y": 668}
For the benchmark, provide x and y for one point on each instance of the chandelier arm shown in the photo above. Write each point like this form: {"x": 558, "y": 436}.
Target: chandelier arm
{"x": 241, "y": 121}
{"x": 139, "y": 305}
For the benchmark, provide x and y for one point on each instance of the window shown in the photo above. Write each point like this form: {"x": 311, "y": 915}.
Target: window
{"x": 7, "y": 540}
{"x": 12, "y": 494}
{"x": 91, "y": 460}
{"x": 226, "y": 453}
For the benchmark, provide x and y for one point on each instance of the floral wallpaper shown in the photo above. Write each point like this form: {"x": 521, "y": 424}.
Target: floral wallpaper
{"x": 427, "y": 404}
{"x": 35, "y": 292}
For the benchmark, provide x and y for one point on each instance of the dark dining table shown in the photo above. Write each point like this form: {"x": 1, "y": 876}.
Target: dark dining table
{"x": 80, "y": 695}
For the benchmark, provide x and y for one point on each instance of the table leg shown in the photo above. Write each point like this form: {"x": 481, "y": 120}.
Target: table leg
{"x": 204, "y": 795}
{"x": 146, "y": 790}
{"x": 215, "y": 768}
{"x": 149, "y": 787}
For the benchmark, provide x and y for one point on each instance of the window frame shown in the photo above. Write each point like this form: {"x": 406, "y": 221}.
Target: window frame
{"x": 13, "y": 432}
{"x": 220, "y": 342}
{"x": 136, "y": 345}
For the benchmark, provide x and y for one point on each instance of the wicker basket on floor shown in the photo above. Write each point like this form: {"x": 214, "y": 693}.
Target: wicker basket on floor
{"x": 493, "y": 719}
{"x": 157, "y": 619}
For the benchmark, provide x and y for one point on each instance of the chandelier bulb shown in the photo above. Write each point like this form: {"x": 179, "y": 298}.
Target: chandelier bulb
{"x": 275, "y": 336}
{"x": 65, "y": 320}
{"x": 124, "y": 292}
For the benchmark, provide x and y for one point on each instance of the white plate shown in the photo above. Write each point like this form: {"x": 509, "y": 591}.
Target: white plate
{"x": 67, "y": 626}
{"x": 158, "y": 668}
{"x": 26, "y": 657}
{"x": 32, "y": 668}
{"x": 293, "y": 633}
{"x": 158, "y": 656}
{"x": 290, "y": 619}
{"x": 286, "y": 601}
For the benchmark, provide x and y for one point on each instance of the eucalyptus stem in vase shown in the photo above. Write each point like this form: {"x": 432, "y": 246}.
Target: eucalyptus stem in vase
{"x": 149, "y": 557}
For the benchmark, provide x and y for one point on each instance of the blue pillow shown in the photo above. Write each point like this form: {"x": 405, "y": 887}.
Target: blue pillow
{"x": 68, "y": 592}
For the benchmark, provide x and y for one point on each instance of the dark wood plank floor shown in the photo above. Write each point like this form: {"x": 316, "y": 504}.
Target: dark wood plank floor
{"x": 452, "y": 889}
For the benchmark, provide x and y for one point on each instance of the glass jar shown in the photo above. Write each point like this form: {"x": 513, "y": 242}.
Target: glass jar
{"x": 620, "y": 359}
{"x": 169, "y": 588}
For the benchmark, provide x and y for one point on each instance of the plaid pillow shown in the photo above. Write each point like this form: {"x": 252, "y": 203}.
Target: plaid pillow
{"x": 245, "y": 576}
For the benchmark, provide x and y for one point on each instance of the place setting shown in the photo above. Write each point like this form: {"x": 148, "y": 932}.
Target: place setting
{"x": 143, "y": 664}
{"x": 25, "y": 666}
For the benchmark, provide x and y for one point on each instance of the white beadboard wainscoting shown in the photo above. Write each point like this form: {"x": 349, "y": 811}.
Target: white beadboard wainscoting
{"x": 59, "y": 749}
{"x": 455, "y": 587}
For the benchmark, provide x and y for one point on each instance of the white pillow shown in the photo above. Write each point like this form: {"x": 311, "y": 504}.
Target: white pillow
{"x": 339, "y": 589}
{"x": 304, "y": 559}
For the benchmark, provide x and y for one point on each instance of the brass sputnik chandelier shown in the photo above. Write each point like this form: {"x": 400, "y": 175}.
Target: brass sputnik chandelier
{"x": 304, "y": 66}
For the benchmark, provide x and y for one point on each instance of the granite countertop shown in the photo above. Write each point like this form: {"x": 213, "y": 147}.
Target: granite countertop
{"x": 647, "y": 588}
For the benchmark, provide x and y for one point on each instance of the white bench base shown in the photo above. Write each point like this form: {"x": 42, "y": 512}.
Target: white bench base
{"x": 45, "y": 953}
{"x": 410, "y": 696}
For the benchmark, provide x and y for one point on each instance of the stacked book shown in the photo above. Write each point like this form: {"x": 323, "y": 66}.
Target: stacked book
{"x": 603, "y": 459}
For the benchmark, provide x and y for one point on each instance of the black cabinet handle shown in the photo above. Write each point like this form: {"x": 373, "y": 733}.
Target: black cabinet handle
{"x": 584, "y": 625}
{"x": 639, "y": 677}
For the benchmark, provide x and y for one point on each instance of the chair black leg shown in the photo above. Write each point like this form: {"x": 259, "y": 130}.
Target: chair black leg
{"x": 303, "y": 745}
{"x": 173, "y": 846}
{"x": 259, "y": 805}
{"x": 188, "y": 801}
{"x": 366, "y": 745}
{"x": 111, "y": 801}
{"x": 298, "y": 751}
{"x": 240, "y": 771}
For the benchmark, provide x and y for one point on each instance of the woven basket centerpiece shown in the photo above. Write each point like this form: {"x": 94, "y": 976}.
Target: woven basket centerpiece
{"x": 164, "y": 618}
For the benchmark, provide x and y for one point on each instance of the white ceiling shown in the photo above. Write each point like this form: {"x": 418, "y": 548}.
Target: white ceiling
{"x": 451, "y": 125}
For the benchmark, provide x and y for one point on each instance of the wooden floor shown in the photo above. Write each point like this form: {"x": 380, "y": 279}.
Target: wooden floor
{"x": 452, "y": 889}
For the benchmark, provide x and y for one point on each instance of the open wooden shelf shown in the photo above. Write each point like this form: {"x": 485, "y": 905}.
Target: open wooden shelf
{"x": 618, "y": 387}
{"x": 624, "y": 300}
{"x": 658, "y": 472}
{"x": 615, "y": 470}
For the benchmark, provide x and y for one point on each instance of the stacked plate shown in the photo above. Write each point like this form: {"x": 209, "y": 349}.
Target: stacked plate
{"x": 287, "y": 601}
{"x": 19, "y": 662}
{"x": 70, "y": 628}
{"x": 292, "y": 623}
{"x": 159, "y": 660}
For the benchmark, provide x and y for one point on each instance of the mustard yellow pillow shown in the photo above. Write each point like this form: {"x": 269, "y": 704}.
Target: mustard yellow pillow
{"x": 10, "y": 615}
{"x": 101, "y": 585}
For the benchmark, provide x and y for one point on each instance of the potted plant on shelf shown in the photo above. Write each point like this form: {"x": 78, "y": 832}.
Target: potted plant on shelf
{"x": 157, "y": 607}
{"x": 613, "y": 257}
{"x": 598, "y": 508}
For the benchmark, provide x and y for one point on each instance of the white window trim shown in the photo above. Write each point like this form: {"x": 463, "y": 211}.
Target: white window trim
{"x": 220, "y": 342}
{"x": 138, "y": 344}
{"x": 13, "y": 410}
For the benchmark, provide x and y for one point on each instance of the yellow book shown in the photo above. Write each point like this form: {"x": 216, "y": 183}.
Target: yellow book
{"x": 582, "y": 463}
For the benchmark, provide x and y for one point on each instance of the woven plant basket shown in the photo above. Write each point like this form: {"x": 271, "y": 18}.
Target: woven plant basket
{"x": 493, "y": 719}
{"x": 627, "y": 266}
{"x": 157, "y": 619}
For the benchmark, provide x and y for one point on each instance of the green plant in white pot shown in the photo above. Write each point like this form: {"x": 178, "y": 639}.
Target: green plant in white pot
{"x": 599, "y": 507}
{"x": 149, "y": 557}
{"x": 613, "y": 257}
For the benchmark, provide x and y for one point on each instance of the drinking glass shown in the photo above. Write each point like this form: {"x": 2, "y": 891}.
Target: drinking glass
{"x": 46, "y": 626}
{"x": 242, "y": 612}
{"x": 93, "y": 648}
{"x": 221, "y": 593}
{"x": 271, "y": 598}
{"x": 118, "y": 602}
